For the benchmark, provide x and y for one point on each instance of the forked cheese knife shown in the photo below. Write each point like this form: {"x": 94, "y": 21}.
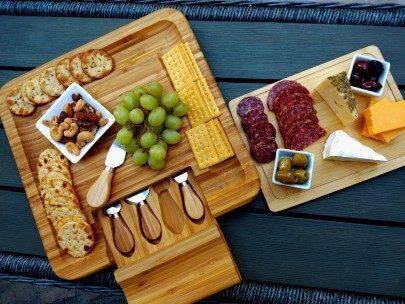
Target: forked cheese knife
{"x": 99, "y": 192}
{"x": 192, "y": 203}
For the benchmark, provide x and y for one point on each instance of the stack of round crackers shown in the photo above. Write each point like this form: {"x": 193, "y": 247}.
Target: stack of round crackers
{"x": 52, "y": 82}
{"x": 74, "y": 234}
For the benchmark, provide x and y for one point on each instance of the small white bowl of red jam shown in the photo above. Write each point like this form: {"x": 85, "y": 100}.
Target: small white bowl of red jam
{"x": 368, "y": 75}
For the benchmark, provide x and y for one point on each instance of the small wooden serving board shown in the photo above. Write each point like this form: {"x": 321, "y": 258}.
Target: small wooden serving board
{"x": 328, "y": 176}
{"x": 136, "y": 49}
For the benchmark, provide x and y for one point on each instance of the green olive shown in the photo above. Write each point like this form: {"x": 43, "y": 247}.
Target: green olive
{"x": 285, "y": 164}
{"x": 286, "y": 177}
{"x": 302, "y": 175}
{"x": 300, "y": 161}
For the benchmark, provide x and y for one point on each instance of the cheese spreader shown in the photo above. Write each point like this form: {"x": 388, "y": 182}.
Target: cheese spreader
{"x": 99, "y": 192}
{"x": 123, "y": 237}
{"x": 193, "y": 205}
{"x": 150, "y": 225}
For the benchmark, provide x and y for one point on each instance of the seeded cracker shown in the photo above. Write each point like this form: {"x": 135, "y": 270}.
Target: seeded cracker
{"x": 202, "y": 146}
{"x": 35, "y": 93}
{"x": 218, "y": 136}
{"x": 50, "y": 84}
{"x": 198, "y": 111}
{"x": 17, "y": 104}
{"x": 75, "y": 68}
{"x": 97, "y": 63}
{"x": 177, "y": 68}
{"x": 63, "y": 74}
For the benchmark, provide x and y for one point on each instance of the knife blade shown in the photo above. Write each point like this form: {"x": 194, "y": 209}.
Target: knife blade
{"x": 99, "y": 192}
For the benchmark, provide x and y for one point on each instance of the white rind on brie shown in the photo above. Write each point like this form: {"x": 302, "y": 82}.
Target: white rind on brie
{"x": 340, "y": 146}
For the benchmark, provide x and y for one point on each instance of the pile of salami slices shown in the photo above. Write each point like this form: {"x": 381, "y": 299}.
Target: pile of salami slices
{"x": 296, "y": 115}
{"x": 260, "y": 131}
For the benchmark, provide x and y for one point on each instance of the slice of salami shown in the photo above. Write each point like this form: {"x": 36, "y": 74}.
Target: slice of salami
{"x": 275, "y": 90}
{"x": 252, "y": 118}
{"x": 287, "y": 91}
{"x": 248, "y": 104}
{"x": 289, "y": 132}
{"x": 306, "y": 138}
{"x": 292, "y": 101}
{"x": 260, "y": 130}
{"x": 295, "y": 114}
{"x": 264, "y": 151}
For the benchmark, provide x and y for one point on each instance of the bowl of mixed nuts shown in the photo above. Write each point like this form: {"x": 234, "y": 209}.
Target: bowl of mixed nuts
{"x": 75, "y": 122}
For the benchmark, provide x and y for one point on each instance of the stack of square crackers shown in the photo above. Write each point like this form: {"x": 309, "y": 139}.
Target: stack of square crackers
{"x": 207, "y": 139}
{"x": 74, "y": 234}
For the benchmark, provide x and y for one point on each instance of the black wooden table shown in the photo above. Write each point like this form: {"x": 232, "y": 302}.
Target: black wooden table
{"x": 352, "y": 240}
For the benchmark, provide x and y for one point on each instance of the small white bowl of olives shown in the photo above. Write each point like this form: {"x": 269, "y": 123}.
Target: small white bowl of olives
{"x": 293, "y": 169}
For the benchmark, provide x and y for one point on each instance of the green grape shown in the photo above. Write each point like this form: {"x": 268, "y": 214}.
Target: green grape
{"x": 171, "y": 137}
{"x": 149, "y": 102}
{"x": 124, "y": 136}
{"x": 173, "y": 122}
{"x": 157, "y": 152}
{"x": 170, "y": 99}
{"x": 140, "y": 157}
{"x": 148, "y": 139}
{"x": 141, "y": 90}
{"x": 180, "y": 109}
{"x": 156, "y": 164}
{"x": 157, "y": 116}
{"x": 136, "y": 116}
{"x": 132, "y": 146}
{"x": 121, "y": 115}
{"x": 157, "y": 130}
{"x": 155, "y": 89}
{"x": 130, "y": 100}
{"x": 162, "y": 143}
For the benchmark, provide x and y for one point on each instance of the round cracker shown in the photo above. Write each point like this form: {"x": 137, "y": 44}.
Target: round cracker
{"x": 75, "y": 68}
{"x": 63, "y": 74}
{"x": 18, "y": 104}
{"x": 35, "y": 93}
{"x": 49, "y": 155}
{"x": 49, "y": 82}
{"x": 97, "y": 63}
{"x": 76, "y": 237}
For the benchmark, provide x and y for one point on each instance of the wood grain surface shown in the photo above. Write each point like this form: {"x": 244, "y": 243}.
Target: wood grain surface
{"x": 328, "y": 176}
{"x": 347, "y": 240}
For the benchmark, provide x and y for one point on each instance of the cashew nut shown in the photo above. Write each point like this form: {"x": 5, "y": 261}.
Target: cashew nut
{"x": 72, "y": 131}
{"x": 56, "y": 133}
{"x": 50, "y": 123}
{"x": 80, "y": 104}
{"x": 83, "y": 138}
{"x": 68, "y": 120}
{"x": 102, "y": 122}
{"x": 72, "y": 148}
{"x": 64, "y": 126}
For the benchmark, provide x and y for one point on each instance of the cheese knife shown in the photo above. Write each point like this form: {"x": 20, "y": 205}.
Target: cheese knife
{"x": 99, "y": 192}
{"x": 123, "y": 237}
{"x": 150, "y": 225}
{"x": 193, "y": 205}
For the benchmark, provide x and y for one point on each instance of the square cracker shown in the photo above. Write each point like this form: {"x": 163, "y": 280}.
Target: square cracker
{"x": 177, "y": 68}
{"x": 218, "y": 136}
{"x": 208, "y": 98}
{"x": 202, "y": 146}
{"x": 198, "y": 112}
{"x": 191, "y": 62}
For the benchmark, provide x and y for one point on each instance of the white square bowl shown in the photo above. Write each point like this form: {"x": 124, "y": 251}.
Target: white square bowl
{"x": 57, "y": 108}
{"x": 281, "y": 153}
{"x": 382, "y": 79}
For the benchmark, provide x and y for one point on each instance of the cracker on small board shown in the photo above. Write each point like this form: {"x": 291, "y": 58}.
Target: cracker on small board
{"x": 208, "y": 98}
{"x": 97, "y": 63}
{"x": 218, "y": 136}
{"x": 198, "y": 112}
{"x": 75, "y": 68}
{"x": 18, "y": 104}
{"x": 35, "y": 93}
{"x": 49, "y": 82}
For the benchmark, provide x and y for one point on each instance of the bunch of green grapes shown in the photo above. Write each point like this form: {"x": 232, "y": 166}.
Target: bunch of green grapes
{"x": 157, "y": 116}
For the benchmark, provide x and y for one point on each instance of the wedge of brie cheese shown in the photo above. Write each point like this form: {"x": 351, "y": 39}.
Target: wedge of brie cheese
{"x": 340, "y": 146}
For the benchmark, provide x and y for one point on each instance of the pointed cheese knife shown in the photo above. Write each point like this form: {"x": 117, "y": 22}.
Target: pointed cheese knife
{"x": 99, "y": 192}
{"x": 192, "y": 203}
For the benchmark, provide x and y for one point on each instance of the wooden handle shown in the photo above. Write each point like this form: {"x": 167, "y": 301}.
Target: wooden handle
{"x": 99, "y": 192}
{"x": 123, "y": 237}
{"x": 150, "y": 225}
{"x": 171, "y": 213}
{"x": 192, "y": 203}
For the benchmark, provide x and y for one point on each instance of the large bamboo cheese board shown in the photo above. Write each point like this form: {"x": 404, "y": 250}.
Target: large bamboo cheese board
{"x": 328, "y": 176}
{"x": 136, "y": 49}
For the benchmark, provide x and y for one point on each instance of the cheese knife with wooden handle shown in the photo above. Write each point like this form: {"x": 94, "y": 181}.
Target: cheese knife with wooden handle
{"x": 192, "y": 203}
{"x": 99, "y": 192}
{"x": 123, "y": 237}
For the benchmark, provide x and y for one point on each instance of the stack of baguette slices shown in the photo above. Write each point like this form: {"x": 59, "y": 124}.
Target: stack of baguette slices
{"x": 74, "y": 234}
